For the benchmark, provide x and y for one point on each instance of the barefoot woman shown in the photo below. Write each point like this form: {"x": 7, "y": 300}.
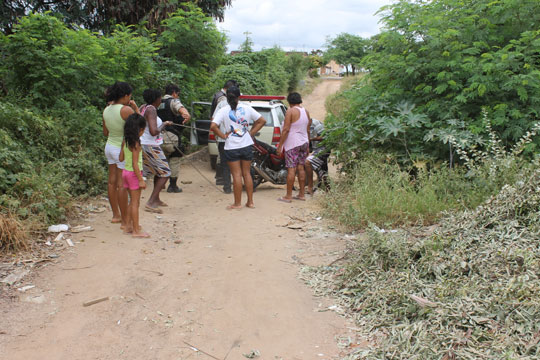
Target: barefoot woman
{"x": 238, "y": 142}
{"x": 120, "y": 106}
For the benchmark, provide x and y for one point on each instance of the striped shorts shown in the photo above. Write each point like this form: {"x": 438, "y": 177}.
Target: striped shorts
{"x": 155, "y": 162}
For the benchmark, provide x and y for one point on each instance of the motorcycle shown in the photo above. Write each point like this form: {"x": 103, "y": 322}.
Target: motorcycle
{"x": 268, "y": 166}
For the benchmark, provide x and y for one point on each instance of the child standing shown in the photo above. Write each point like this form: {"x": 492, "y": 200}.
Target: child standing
{"x": 131, "y": 152}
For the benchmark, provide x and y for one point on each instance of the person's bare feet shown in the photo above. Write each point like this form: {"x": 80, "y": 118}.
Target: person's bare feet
{"x": 140, "y": 234}
{"x": 116, "y": 220}
{"x": 299, "y": 197}
{"x": 234, "y": 207}
{"x": 251, "y": 206}
{"x": 161, "y": 203}
{"x": 285, "y": 199}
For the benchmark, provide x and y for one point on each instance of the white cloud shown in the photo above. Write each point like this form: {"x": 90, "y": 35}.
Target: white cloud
{"x": 301, "y": 24}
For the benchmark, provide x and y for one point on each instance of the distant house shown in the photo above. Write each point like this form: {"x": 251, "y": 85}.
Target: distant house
{"x": 332, "y": 68}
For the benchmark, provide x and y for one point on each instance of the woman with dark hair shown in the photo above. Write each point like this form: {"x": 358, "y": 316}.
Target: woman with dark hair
{"x": 119, "y": 107}
{"x": 295, "y": 143}
{"x": 133, "y": 180}
{"x": 155, "y": 161}
{"x": 238, "y": 142}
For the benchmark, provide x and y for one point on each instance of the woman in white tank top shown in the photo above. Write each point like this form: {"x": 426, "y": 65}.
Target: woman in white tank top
{"x": 154, "y": 160}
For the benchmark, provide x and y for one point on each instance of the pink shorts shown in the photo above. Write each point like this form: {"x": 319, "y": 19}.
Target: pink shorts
{"x": 131, "y": 181}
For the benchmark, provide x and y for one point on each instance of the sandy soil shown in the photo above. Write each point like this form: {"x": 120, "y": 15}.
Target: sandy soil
{"x": 314, "y": 102}
{"x": 223, "y": 282}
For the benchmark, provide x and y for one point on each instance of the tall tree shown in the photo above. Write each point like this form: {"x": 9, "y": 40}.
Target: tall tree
{"x": 101, "y": 15}
{"x": 346, "y": 49}
{"x": 247, "y": 45}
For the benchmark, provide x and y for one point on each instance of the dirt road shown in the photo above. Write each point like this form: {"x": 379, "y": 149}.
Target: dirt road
{"x": 221, "y": 282}
{"x": 314, "y": 102}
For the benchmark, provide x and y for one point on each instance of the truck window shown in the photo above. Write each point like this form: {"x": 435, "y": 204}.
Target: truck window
{"x": 280, "y": 111}
{"x": 266, "y": 114}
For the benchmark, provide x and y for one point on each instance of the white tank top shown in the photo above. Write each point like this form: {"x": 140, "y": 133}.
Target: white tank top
{"x": 147, "y": 138}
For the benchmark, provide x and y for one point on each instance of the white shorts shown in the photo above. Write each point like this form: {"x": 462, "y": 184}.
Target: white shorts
{"x": 113, "y": 154}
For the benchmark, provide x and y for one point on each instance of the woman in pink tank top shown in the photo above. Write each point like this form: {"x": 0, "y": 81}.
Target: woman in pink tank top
{"x": 294, "y": 143}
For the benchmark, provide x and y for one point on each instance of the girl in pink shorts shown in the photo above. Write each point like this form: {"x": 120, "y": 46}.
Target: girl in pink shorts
{"x": 131, "y": 153}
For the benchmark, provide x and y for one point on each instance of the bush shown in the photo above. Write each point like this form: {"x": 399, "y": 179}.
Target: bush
{"x": 248, "y": 81}
{"x": 378, "y": 191}
{"x": 49, "y": 158}
{"x": 48, "y": 62}
{"x": 446, "y": 61}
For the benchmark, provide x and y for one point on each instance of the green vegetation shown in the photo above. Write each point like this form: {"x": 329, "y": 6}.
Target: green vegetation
{"x": 445, "y": 80}
{"x": 103, "y": 15}
{"x": 377, "y": 191}
{"x": 469, "y": 289}
{"x": 53, "y": 78}
{"x": 442, "y": 131}
{"x": 433, "y": 70}
{"x": 346, "y": 49}
{"x": 269, "y": 71}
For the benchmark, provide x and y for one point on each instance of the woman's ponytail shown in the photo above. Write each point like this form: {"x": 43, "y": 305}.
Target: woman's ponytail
{"x": 233, "y": 93}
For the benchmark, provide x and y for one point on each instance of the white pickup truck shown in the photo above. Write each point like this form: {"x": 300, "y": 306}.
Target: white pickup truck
{"x": 270, "y": 107}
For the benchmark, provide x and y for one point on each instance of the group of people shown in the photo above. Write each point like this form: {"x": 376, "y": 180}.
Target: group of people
{"x": 138, "y": 139}
{"x": 147, "y": 140}
{"x": 230, "y": 124}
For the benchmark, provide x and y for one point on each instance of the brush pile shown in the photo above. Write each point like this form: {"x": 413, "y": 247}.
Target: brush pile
{"x": 468, "y": 290}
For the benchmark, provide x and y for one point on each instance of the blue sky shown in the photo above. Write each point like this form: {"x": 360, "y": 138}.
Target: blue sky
{"x": 299, "y": 24}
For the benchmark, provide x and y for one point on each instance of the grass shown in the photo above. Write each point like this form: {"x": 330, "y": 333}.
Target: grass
{"x": 381, "y": 193}
{"x": 309, "y": 85}
{"x": 13, "y": 237}
{"x": 338, "y": 103}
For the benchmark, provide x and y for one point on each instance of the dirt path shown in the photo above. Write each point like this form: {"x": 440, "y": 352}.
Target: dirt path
{"x": 314, "y": 102}
{"x": 224, "y": 282}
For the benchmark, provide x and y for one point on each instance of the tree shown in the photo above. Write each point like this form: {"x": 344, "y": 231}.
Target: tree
{"x": 346, "y": 49}
{"x": 102, "y": 15}
{"x": 247, "y": 45}
{"x": 193, "y": 38}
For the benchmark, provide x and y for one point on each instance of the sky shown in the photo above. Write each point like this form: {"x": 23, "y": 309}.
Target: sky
{"x": 302, "y": 25}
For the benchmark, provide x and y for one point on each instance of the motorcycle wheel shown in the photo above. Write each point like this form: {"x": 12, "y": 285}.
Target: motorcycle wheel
{"x": 257, "y": 179}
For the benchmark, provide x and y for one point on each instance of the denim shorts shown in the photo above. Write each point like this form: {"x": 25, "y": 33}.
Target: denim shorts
{"x": 245, "y": 153}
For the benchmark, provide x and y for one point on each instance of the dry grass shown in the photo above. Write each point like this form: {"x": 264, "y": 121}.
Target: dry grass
{"x": 13, "y": 236}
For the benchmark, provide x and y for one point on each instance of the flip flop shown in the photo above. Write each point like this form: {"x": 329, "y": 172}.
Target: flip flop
{"x": 296, "y": 197}
{"x": 281, "y": 198}
{"x": 161, "y": 203}
{"x": 144, "y": 235}
{"x": 153, "y": 210}
{"x": 250, "y": 206}
{"x": 232, "y": 207}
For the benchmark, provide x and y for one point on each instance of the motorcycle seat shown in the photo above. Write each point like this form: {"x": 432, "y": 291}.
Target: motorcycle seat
{"x": 269, "y": 148}
{"x": 277, "y": 159}
{"x": 260, "y": 148}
